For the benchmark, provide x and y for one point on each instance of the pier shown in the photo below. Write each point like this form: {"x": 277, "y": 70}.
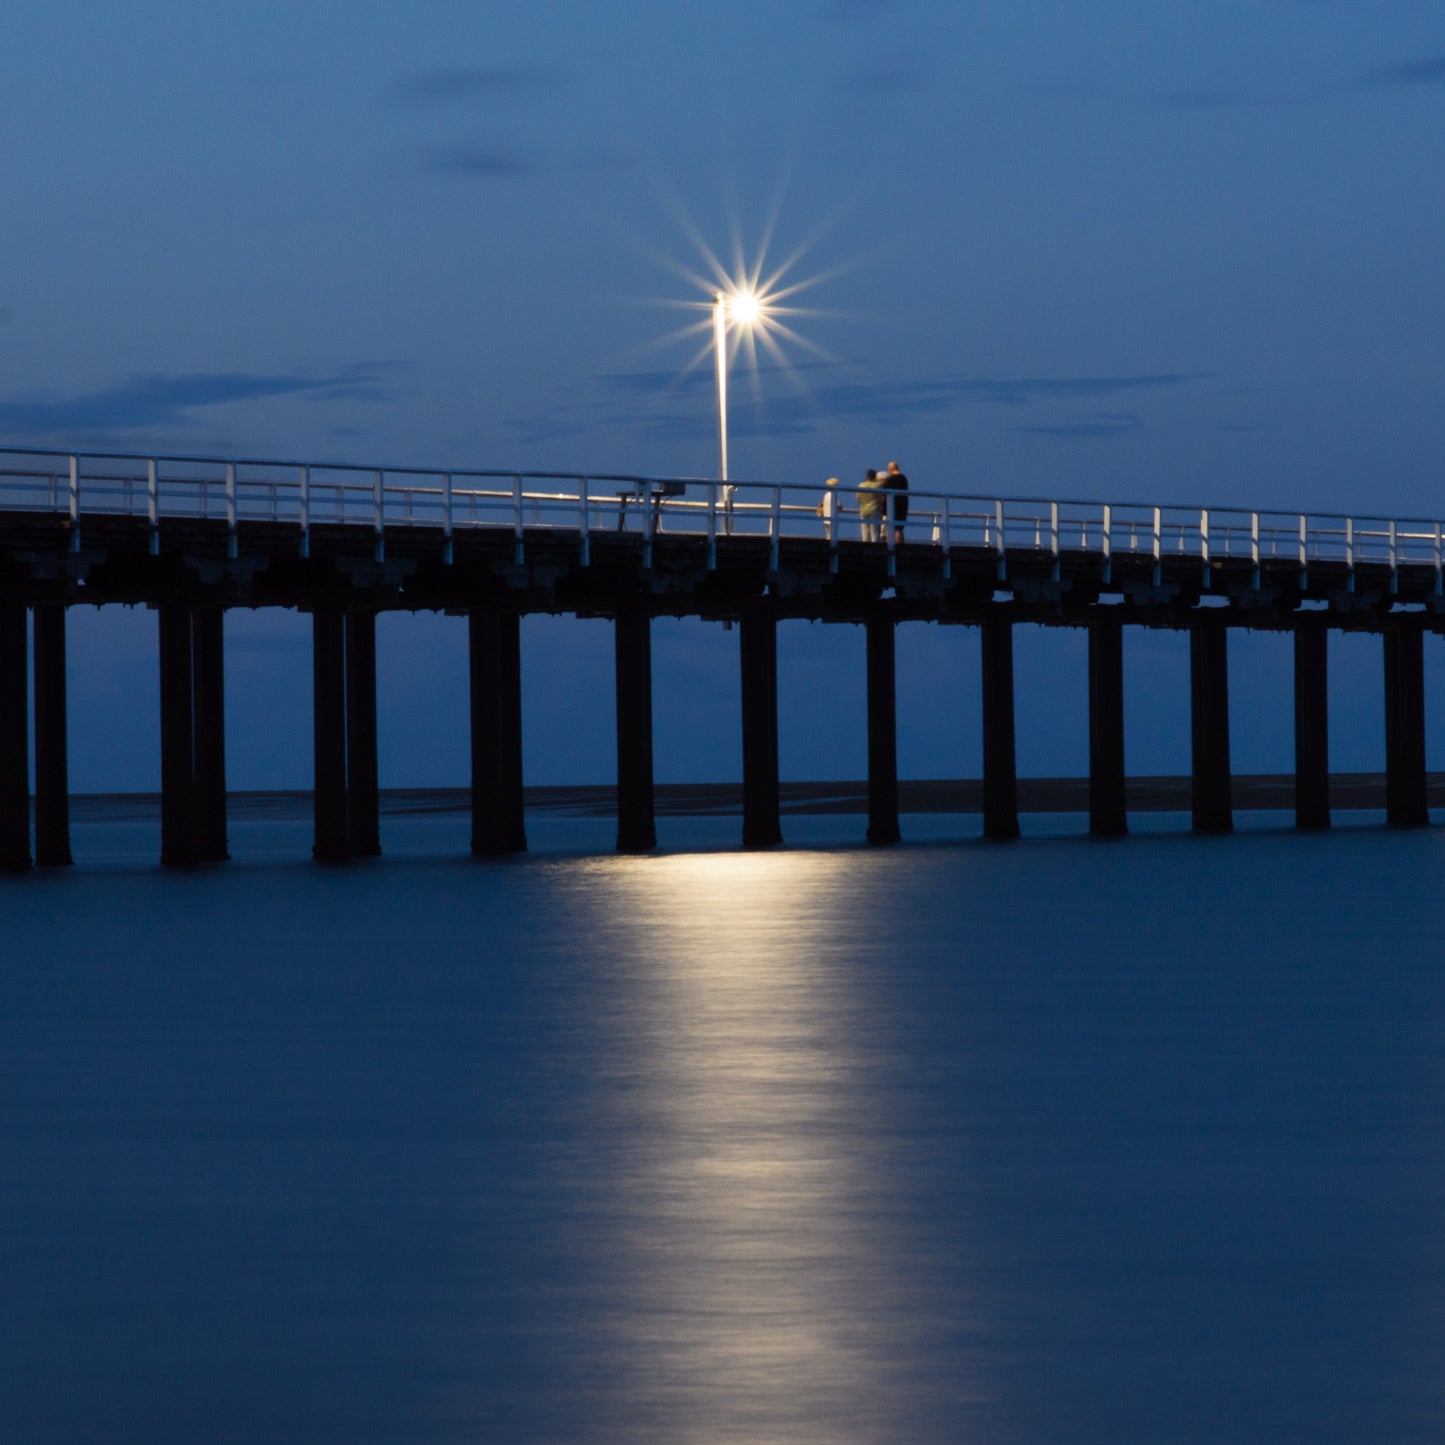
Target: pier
{"x": 193, "y": 537}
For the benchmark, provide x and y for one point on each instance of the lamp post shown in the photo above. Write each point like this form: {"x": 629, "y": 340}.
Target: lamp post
{"x": 720, "y": 349}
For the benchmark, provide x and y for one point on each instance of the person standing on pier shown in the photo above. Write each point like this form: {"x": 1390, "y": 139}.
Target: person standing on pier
{"x": 897, "y": 483}
{"x": 871, "y": 506}
{"x": 828, "y": 508}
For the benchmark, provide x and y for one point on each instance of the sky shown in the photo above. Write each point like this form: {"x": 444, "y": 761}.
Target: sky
{"x": 1102, "y": 249}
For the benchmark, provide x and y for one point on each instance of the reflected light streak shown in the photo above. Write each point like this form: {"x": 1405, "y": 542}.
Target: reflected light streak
{"x": 752, "y": 1274}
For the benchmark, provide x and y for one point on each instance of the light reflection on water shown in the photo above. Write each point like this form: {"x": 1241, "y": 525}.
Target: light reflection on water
{"x": 755, "y": 1288}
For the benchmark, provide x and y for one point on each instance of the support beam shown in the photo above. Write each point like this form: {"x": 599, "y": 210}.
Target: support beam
{"x": 14, "y": 739}
{"x": 328, "y": 678}
{"x": 178, "y": 772}
{"x": 363, "y": 802}
{"x": 1000, "y": 766}
{"x": 208, "y": 714}
{"x": 758, "y": 654}
{"x": 882, "y": 732}
{"x": 1406, "y": 801}
{"x": 494, "y": 641}
{"x": 1108, "y": 810}
{"x": 1311, "y": 723}
{"x": 1209, "y": 698}
{"x": 636, "y": 820}
{"x": 52, "y": 773}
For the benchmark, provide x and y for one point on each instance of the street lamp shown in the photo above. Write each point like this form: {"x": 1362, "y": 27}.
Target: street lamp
{"x": 742, "y": 308}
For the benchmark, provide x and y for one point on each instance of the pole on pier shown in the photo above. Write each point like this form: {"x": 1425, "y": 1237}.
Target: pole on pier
{"x": 495, "y": 647}
{"x": 758, "y": 655}
{"x": 1406, "y": 803}
{"x": 52, "y": 781}
{"x": 1000, "y": 766}
{"x": 1209, "y": 706}
{"x": 175, "y": 622}
{"x": 1311, "y": 723}
{"x": 328, "y": 678}
{"x": 208, "y": 677}
{"x": 1108, "y": 811}
{"x": 14, "y": 739}
{"x": 636, "y": 819}
{"x": 363, "y": 805}
{"x": 882, "y": 732}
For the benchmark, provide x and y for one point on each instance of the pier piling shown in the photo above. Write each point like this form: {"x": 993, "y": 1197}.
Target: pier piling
{"x": 14, "y": 739}
{"x": 882, "y": 732}
{"x": 1213, "y": 806}
{"x": 636, "y": 819}
{"x": 1108, "y": 812}
{"x": 52, "y": 772}
{"x": 758, "y": 655}
{"x": 1000, "y": 767}
{"x": 495, "y": 644}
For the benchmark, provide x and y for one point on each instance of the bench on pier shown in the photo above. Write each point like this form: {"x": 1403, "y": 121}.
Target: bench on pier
{"x": 657, "y": 494}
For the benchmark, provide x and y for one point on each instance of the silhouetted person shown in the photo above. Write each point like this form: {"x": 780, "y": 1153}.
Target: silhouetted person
{"x": 871, "y": 506}
{"x": 897, "y": 483}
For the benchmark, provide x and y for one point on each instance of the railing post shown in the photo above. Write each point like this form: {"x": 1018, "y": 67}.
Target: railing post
{"x": 153, "y": 506}
{"x": 711, "y": 526}
{"x": 305, "y": 505}
{"x": 775, "y": 528}
{"x": 1350, "y": 552}
{"x": 1054, "y": 538}
{"x": 1108, "y": 543}
{"x": 230, "y": 509}
{"x": 74, "y": 503}
{"x": 447, "y": 518}
{"x": 1158, "y": 545}
{"x": 1394, "y": 559}
{"x": 517, "y": 522}
{"x": 1254, "y": 548}
{"x": 378, "y": 513}
{"x": 1204, "y": 543}
{"x": 1304, "y": 553}
{"x": 999, "y": 539}
{"x": 584, "y": 522}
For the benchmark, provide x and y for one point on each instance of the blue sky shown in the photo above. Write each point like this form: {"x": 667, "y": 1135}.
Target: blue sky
{"x": 1106, "y": 249}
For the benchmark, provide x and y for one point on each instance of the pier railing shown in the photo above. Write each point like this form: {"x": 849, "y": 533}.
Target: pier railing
{"x": 301, "y": 495}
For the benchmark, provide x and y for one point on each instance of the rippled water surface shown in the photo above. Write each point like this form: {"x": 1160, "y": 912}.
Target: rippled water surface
{"x": 1051, "y": 1141}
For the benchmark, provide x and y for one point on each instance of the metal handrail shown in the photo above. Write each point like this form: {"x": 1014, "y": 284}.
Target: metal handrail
{"x": 158, "y": 486}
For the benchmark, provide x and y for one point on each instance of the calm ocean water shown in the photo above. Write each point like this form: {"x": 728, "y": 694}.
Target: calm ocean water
{"x": 1053, "y": 1141}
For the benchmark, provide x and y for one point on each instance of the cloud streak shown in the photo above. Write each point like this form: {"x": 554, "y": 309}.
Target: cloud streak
{"x": 481, "y": 162}
{"x": 169, "y": 401}
{"x": 886, "y": 403}
{"x": 428, "y": 89}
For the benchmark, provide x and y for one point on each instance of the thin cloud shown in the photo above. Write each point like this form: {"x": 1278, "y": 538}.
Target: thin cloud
{"x": 1430, "y": 71}
{"x": 481, "y": 162}
{"x": 167, "y": 401}
{"x": 1101, "y": 424}
{"x": 446, "y": 86}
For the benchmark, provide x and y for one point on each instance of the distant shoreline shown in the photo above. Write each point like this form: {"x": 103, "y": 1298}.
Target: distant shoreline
{"x": 1161, "y": 794}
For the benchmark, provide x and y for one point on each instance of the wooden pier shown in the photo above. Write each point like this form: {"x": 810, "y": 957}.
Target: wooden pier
{"x": 192, "y": 538}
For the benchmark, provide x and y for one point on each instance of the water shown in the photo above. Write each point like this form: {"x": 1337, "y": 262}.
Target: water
{"x": 1060, "y": 1140}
